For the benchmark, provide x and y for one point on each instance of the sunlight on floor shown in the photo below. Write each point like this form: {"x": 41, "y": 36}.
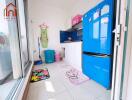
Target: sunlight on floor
{"x": 49, "y": 86}
{"x": 51, "y": 99}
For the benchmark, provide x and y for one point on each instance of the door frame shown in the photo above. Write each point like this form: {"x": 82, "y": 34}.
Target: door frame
{"x": 127, "y": 54}
{"x": 119, "y": 49}
{"x": 23, "y": 66}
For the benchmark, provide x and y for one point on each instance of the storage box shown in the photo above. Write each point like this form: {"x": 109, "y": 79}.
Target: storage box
{"x": 49, "y": 56}
{"x": 76, "y": 19}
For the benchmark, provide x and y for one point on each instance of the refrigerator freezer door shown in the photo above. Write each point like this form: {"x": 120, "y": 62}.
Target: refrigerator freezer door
{"x": 98, "y": 68}
{"x": 97, "y": 29}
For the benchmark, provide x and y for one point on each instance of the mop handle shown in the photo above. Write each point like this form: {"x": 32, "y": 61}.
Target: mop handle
{"x": 39, "y": 46}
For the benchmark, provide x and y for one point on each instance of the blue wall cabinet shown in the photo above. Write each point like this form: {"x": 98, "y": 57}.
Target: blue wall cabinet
{"x": 65, "y": 34}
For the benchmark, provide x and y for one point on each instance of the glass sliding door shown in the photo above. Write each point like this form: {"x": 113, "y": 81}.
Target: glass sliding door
{"x": 11, "y": 10}
{"x": 5, "y": 53}
{"x": 9, "y": 44}
{"x": 10, "y": 56}
{"x": 23, "y": 33}
{"x": 14, "y": 48}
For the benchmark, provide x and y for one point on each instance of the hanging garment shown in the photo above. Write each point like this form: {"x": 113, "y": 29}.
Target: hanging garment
{"x": 44, "y": 37}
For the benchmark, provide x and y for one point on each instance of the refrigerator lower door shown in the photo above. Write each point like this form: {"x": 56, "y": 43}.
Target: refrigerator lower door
{"x": 98, "y": 69}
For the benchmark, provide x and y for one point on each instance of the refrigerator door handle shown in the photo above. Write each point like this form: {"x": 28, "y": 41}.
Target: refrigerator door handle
{"x": 101, "y": 56}
{"x": 97, "y": 55}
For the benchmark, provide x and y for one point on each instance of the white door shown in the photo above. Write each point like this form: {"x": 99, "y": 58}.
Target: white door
{"x": 119, "y": 49}
{"x": 126, "y": 83}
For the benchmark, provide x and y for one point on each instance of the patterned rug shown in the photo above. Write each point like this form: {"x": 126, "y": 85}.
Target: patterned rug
{"x": 76, "y": 77}
{"x": 40, "y": 74}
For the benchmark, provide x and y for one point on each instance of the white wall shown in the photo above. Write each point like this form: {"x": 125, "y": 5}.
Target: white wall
{"x": 80, "y": 7}
{"x": 54, "y": 17}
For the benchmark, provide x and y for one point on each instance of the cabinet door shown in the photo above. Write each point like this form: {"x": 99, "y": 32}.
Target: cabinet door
{"x": 63, "y": 36}
{"x": 73, "y": 35}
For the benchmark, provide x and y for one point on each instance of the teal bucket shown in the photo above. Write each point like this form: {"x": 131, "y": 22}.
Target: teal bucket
{"x": 49, "y": 56}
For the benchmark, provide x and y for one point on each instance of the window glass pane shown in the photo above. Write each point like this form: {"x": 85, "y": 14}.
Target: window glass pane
{"x": 105, "y": 10}
{"x": 96, "y": 14}
{"x": 5, "y": 56}
{"x": 96, "y": 30}
{"x": 104, "y": 26}
{"x": 5, "y": 53}
{"x": 10, "y": 64}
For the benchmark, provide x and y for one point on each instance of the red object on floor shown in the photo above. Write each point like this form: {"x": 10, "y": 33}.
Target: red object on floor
{"x": 76, "y": 19}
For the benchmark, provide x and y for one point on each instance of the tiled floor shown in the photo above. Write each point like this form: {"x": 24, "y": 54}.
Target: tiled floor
{"x": 58, "y": 87}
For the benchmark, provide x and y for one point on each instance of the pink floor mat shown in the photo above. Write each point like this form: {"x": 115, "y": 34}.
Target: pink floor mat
{"x": 76, "y": 77}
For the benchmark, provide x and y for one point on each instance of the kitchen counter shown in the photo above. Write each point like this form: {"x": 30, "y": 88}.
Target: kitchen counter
{"x": 73, "y": 54}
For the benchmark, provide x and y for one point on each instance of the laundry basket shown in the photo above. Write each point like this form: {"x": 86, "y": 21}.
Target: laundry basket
{"x": 49, "y": 56}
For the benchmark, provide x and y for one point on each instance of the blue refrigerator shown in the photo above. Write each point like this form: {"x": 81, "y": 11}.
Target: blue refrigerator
{"x": 98, "y": 43}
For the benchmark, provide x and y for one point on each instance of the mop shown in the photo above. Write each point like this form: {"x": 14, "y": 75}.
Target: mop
{"x": 38, "y": 62}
